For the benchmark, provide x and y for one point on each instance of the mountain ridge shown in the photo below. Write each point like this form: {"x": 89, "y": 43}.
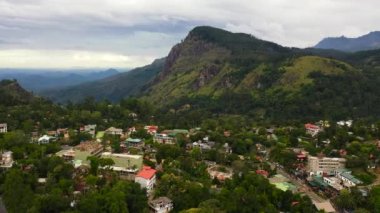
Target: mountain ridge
{"x": 369, "y": 41}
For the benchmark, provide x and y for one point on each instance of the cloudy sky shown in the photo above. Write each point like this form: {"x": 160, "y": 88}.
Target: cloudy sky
{"x": 130, "y": 33}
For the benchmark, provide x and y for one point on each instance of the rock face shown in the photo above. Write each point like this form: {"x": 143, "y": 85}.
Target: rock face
{"x": 206, "y": 74}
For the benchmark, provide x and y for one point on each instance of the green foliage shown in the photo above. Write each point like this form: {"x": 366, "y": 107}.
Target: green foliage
{"x": 17, "y": 193}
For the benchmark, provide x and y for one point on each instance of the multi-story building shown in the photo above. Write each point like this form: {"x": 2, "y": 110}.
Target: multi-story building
{"x": 161, "y": 205}
{"x": 146, "y": 178}
{"x": 6, "y": 160}
{"x": 324, "y": 165}
{"x": 3, "y": 128}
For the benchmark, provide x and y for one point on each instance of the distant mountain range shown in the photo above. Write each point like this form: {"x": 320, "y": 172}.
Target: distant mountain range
{"x": 40, "y": 80}
{"x": 370, "y": 41}
{"x": 113, "y": 88}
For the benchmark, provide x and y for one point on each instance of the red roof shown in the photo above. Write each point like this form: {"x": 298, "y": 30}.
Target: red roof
{"x": 311, "y": 126}
{"x": 147, "y": 172}
{"x": 262, "y": 172}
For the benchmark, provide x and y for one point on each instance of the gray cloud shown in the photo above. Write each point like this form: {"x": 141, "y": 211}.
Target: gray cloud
{"x": 146, "y": 29}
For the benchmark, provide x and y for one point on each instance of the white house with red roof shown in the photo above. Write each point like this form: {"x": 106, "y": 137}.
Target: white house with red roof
{"x": 312, "y": 129}
{"x": 146, "y": 178}
{"x": 151, "y": 129}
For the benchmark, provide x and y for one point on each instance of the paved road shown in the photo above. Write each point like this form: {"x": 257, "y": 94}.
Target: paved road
{"x": 302, "y": 187}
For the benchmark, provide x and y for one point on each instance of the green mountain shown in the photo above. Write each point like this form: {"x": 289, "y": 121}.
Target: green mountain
{"x": 11, "y": 93}
{"x": 112, "y": 88}
{"x": 234, "y": 73}
{"x": 220, "y": 72}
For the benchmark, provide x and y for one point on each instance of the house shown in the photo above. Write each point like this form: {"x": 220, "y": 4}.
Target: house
{"x": 151, "y": 129}
{"x": 131, "y": 130}
{"x": 262, "y": 172}
{"x": 333, "y": 182}
{"x": 219, "y": 172}
{"x": 312, "y": 129}
{"x": 227, "y": 148}
{"x": 134, "y": 142}
{"x": 347, "y": 178}
{"x": 6, "y": 160}
{"x": 324, "y": 165}
{"x": 345, "y": 123}
{"x": 146, "y": 178}
{"x": 124, "y": 163}
{"x": 173, "y": 133}
{"x": 161, "y": 205}
{"x": 3, "y": 128}
{"x": 163, "y": 139}
{"x": 78, "y": 155}
{"x": 52, "y": 133}
{"x": 64, "y": 132}
{"x": 45, "y": 139}
{"x": 90, "y": 129}
{"x": 114, "y": 131}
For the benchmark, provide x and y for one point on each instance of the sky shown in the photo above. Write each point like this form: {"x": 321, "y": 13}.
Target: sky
{"x": 131, "y": 33}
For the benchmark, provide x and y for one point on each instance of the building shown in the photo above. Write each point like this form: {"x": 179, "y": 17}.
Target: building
{"x": 164, "y": 139}
{"x": 79, "y": 154}
{"x": 312, "y": 129}
{"x": 90, "y": 129}
{"x": 6, "y": 160}
{"x": 45, "y": 139}
{"x": 347, "y": 178}
{"x": 146, "y": 178}
{"x": 161, "y": 205}
{"x": 124, "y": 163}
{"x": 151, "y": 129}
{"x": 220, "y": 172}
{"x": 333, "y": 182}
{"x": 3, "y": 128}
{"x": 324, "y": 206}
{"x": 134, "y": 142}
{"x": 262, "y": 172}
{"x": 324, "y": 165}
{"x": 114, "y": 131}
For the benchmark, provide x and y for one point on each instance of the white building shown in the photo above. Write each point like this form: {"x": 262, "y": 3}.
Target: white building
{"x": 90, "y": 129}
{"x": 324, "y": 165}
{"x": 146, "y": 178}
{"x": 3, "y": 128}
{"x": 161, "y": 205}
{"x": 312, "y": 129}
{"x": 45, "y": 139}
{"x": 347, "y": 178}
{"x": 114, "y": 131}
{"x": 333, "y": 182}
{"x": 6, "y": 160}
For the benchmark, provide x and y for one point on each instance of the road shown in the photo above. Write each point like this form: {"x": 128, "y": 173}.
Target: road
{"x": 302, "y": 187}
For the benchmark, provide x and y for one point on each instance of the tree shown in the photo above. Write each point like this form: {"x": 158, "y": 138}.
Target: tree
{"x": 345, "y": 200}
{"x": 18, "y": 196}
{"x": 94, "y": 164}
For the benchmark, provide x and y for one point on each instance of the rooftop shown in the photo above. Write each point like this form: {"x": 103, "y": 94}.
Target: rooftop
{"x": 160, "y": 201}
{"x": 147, "y": 172}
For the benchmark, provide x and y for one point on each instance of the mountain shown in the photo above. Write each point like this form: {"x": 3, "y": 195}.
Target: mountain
{"x": 366, "y": 42}
{"x": 112, "y": 88}
{"x": 11, "y": 93}
{"x": 37, "y": 81}
{"x": 220, "y": 72}
{"x": 211, "y": 61}
{"x": 234, "y": 73}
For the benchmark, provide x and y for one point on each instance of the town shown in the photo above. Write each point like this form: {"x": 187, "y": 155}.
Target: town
{"x": 300, "y": 160}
